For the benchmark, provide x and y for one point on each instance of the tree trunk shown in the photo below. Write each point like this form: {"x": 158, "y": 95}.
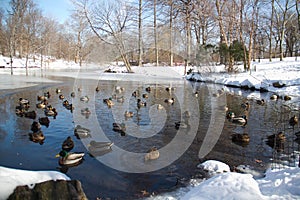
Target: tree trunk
{"x": 171, "y": 32}
{"x": 155, "y": 33}
{"x": 140, "y": 35}
{"x": 271, "y": 32}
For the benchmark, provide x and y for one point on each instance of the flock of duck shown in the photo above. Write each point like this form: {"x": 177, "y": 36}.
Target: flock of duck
{"x": 275, "y": 140}
{"x": 95, "y": 148}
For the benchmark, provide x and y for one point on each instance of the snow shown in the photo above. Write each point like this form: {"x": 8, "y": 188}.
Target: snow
{"x": 11, "y": 178}
{"x": 277, "y": 183}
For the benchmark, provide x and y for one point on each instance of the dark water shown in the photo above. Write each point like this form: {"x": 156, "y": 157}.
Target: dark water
{"x": 100, "y": 180}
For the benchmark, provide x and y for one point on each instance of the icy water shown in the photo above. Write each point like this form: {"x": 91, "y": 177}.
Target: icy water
{"x": 118, "y": 175}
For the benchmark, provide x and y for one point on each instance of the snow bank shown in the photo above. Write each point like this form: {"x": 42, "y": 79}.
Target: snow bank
{"x": 11, "y": 178}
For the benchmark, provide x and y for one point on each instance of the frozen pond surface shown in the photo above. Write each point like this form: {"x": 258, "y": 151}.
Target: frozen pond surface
{"x": 147, "y": 128}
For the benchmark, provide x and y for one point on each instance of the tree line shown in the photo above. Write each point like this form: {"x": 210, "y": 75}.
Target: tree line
{"x": 163, "y": 32}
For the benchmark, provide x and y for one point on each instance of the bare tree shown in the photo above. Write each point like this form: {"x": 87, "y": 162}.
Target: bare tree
{"x": 108, "y": 20}
{"x": 140, "y": 40}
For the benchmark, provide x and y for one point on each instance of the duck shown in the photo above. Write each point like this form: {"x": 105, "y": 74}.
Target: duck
{"x": 159, "y": 107}
{"x": 135, "y": 93}
{"x": 35, "y": 126}
{"x": 47, "y": 94}
{"x": 279, "y": 137}
{"x": 170, "y": 100}
{"x": 97, "y": 89}
{"x": 180, "y": 124}
{"x": 68, "y": 144}
{"x": 169, "y": 89}
{"x": 145, "y": 96}
{"x": 245, "y": 106}
{"x": 58, "y": 90}
{"x": 293, "y": 120}
{"x": 148, "y": 89}
{"x": 30, "y": 114}
{"x": 81, "y": 132}
{"x": 230, "y": 115}
{"x": 108, "y": 102}
{"x": 119, "y": 89}
{"x": 242, "y": 120}
{"x": 66, "y": 102}
{"x": 141, "y": 103}
{"x": 84, "y": 98}
{"x": 186, "y": 114}
{"x": 152, "y": 154}
{"x": 44, "y": 121}
{"x": 41, "y": 105}
{"x": 287, "y": 98}
{"x": 72, "y": 94}
{"x": 99, "y": 148}
{"x": 276, "y": 141}
{"x": 37, "y": 137}
{"x": 260, "y": 102}
{"x": 79, "y": 89}
{"x": 85, "y": 111}
{"x": 274, "y": 97}
{"x": 128, "y": 114}
{"x": 23, "y": 101}
{"x": 51, "y": 112}
{"x": 20, "y": 111}
{"x": 119, "y": 127}
{"x": 240, "y": 138}
{"x": 42, "y": 98}
{"x": 69, "y": 158}
{"x": 95, "y": 144}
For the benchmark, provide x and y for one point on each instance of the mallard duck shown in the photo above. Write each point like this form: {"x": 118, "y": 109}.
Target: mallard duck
{"x": 135, "y": 93}
{"x": 20, "y": 111}
{"x": 108, "y": 102}
{"x": 148, "y": 89}
{"x": 277, "y": 137}
{"x": 180, "y": 125}
{"x": 97, "y": 89}
{"x": 230, "y": 115}
{"x": 287, "y": 98}
{"x": 72, "y": 94}
{"x": 159, "y": 107}
{"x": 69, "y": 158}
{"x": 260, "y": 102}
{"x": 30, "y": 114}
{"x": 51, "y": 112}
{"x": 145, "y": 96}
{"x": 128, "y": 114}
{"x": 41, "y": 105}
{"x": 240, "y": 138}
{"x": 241, "y": 121}
{"x": 68, "y": 144}
{"x": 170, "y": 100}
{"x": 70, "y": 107}
{"x": 47, "y": 94}
{"x": 274, "y": 97}
{"x": 66, "y": 102}
{"x": 37, "y": 137}
{"x": 23, "y": 101}
{"x": 141, "y": 103}
{"x": 186, "y": 114}
{"x": 44, "y": 121}
{"x": 119, "y": 127}
{"x": 245, "y": 106}
{"x": 152, "y": 154}
{"x": 79, "y": 89}
{"x": 293, "y": 120}
{"x": 85, "y": 111}
{"x": 119, "y": 89}
{"x": 35, "y": 126}
{"x": 169, "y": 89}
{"x": 84, "y": 98}
{"x": 82, "y": 132}
{"x": 41, "y": 98}
{"x": 58, "y": 90}
{"x": 95, "y": 144}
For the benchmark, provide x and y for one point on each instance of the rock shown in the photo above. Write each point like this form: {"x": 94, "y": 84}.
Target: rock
{"x": 59, "y": 189}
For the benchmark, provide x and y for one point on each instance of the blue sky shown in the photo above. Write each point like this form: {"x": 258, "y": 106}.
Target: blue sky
{"x": 57, "y": 9}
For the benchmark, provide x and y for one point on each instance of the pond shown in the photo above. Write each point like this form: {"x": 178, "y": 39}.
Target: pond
{"x": 122, "y": 171}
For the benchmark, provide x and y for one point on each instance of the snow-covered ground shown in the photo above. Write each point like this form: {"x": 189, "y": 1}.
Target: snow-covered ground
{"x": 281, "y": 183}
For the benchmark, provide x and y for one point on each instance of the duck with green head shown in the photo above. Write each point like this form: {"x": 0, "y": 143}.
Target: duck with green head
{"x": 69, "y": 158}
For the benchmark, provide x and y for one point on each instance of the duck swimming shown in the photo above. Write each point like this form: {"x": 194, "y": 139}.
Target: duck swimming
{"x": 152, "y": 154}
{"x": 81, "y": 132}
{"x": 260, "y": 102}
{"x": 84, "y": 98}
{"x": 35, "y": 126}
{"x": 293, "y": 120}
{"x": 69, "y": 158}
{"x": 68, "y": 144}
{"x": 240, "y": 138}
{"x": 119, "y": 128}
{"x": 170, "y": 101}
{"x": 44, "y": 121}
{"x": 128, "y": 114}
{"x": 37, "y": 137}
{"x": 241, "y": 121}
